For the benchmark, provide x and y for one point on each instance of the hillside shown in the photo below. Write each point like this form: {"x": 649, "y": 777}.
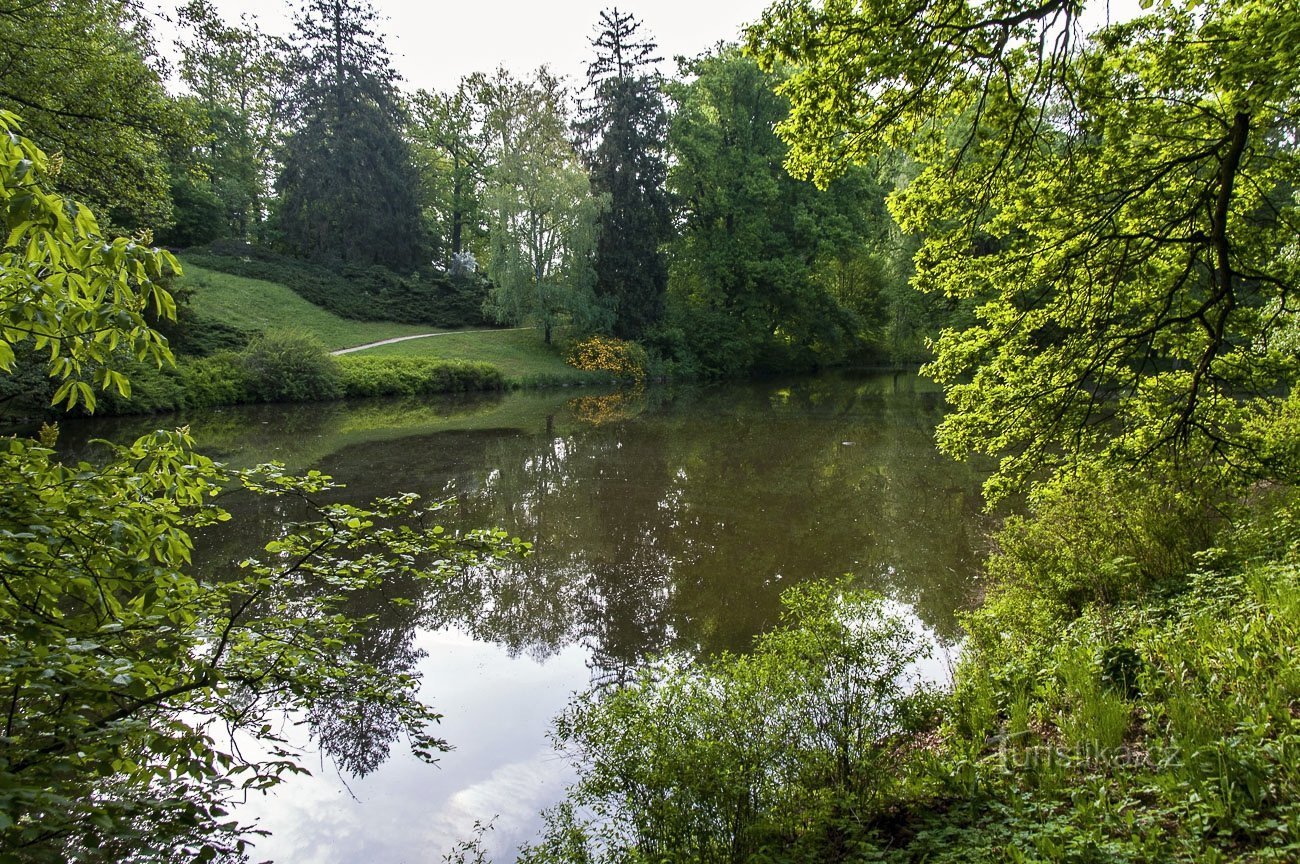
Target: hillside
{"x": 260, "y": 306}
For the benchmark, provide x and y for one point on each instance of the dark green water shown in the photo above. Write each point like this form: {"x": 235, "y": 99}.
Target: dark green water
{"x": 668, "y": 521}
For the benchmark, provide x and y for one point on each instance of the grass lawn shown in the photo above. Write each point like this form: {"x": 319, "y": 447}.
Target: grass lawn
{"x": 521, "y": 355}
{"x": 252, "y": 304}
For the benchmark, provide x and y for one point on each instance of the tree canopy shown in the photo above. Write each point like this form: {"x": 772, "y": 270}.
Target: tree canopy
{"x": 240, "y": 83}
{"x": 84, "y": 77}
{"x": 1119, "y": 210}
{"x": 451, "y": 146}
{"x": 766, "y": 269}
{"x": 348, "y": 189}
{"x": 543, "y": 210}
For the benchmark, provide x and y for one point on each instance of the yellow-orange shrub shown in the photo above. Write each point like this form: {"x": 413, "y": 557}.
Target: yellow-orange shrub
{"x": 624, "y": 360}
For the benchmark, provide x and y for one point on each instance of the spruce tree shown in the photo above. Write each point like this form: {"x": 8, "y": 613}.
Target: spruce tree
{"x": 624, "y": 129}
{"x": 349, "y": 192}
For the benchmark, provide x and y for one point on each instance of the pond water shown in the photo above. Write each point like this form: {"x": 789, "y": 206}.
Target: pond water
{"x": 669, "y": 520}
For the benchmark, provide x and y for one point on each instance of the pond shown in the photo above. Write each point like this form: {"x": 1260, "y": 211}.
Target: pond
{"x": 669, "y": 520}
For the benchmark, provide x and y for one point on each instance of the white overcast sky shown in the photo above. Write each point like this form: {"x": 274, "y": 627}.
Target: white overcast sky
{"x": 434, "y": 44}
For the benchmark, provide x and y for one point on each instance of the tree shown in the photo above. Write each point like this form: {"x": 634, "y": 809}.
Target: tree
{"x": 125, "y": 674}
{"x": 759, "y": 252}
{"x": 543, "y": 210}
{"x": 349, "y": 192}
{"x": 451, "y": 145}
{"x": 624, "y": 129}
{"x": 1119, "y": 210}
{"x": 239, "y": 80}
{"x": 84, "y": 77}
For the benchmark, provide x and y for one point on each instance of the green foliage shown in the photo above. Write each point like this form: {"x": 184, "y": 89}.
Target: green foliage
{"x": 1195, "y": 762}
{"x": 767, "y": 271}
{"x": 1118, "y": 210}
{"x": 210, "y": 382}
{"x": 544, "y": 213}
{"x": 1098, "y": 537}
{"x": 240, "y": 79}
{"x": 128, "y": 676}
{"x": 451, "y": 144}
{"x": 72, "y": 294}
{"x": 624, "y": 130}
{"x": 349, "y": 192}
{"x": 198, "y": 215}
{"x": 291, "y": 366}
{"x": 744, "y": 755}
{"x": 83, "y": 75}
{"x": 117, "y": 659}
{"x": 1150, "y": 731}
{"x": 358, "y": 293}
{"x": 411, "y": 376}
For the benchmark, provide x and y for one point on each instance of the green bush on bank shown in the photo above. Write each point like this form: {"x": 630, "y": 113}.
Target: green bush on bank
{"x": 741, "y": 756}
{"x": 409, "y": 376}
{"x": 289, "y": 367}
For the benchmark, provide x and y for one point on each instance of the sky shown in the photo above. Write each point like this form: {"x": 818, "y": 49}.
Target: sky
{"x": 434, "y": 44}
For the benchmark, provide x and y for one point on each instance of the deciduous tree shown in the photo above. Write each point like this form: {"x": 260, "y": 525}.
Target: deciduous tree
{"x": 1119, "y": 209}
{"x": 239, "y": 81}
{"x": 759, "y": 252}
{"x": 544, "y": 214}
{"x": 451, "y": 145}
{"x": 84, "y": 77}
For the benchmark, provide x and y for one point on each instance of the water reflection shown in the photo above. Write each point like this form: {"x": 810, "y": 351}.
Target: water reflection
{"x": 661, "y": 520}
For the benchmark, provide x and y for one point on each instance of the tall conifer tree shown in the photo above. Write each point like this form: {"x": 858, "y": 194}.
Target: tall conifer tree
{"x": 624, "y": 129}
{"x": 349, "y": 192}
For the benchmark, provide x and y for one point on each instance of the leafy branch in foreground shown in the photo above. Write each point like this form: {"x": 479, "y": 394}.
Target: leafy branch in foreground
{"x": 126, "y": 673}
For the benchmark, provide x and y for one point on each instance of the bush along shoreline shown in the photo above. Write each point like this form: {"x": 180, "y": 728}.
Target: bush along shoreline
{"x": 276, "y": 367}
{"x": 1119, "y": 699}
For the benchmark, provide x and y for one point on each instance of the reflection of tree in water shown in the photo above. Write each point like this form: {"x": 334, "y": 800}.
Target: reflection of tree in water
{"x": 358, "y": 731}
{"x": 590, "y": 506}
{"x": 675, "y": 529}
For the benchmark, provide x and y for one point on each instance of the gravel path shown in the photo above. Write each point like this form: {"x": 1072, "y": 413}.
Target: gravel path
{"x": 421, "y": 336}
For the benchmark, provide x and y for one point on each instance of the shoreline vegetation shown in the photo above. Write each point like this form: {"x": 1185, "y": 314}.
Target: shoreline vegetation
{"x": 1090, "y": 232}
{"x": 242, "y": 338}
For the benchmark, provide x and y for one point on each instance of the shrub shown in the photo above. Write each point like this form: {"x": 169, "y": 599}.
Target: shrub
{"x": 624, "y": 360}
{"x": 221, "y": 379}
{"x": 1098, "y": 536}
{"x": 741, "y": 756}
{"x": 404, "y": 376}
{"x": 289, "y": 366}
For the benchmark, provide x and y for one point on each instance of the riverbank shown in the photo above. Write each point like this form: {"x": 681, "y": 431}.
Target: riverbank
{"x": 1159, "y": 722}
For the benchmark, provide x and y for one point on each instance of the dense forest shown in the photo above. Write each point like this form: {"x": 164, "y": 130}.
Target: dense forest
{"x": 1090, "y": 237}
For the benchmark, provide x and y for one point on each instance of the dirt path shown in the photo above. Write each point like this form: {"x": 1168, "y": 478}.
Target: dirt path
{"x": 421, "y": 336}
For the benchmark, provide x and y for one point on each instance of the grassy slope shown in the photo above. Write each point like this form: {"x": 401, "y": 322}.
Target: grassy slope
{"x": 252, "y": 304}
{"x": 520, "y": 354}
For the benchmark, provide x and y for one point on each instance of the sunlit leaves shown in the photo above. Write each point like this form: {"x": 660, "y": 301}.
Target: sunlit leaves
{"x": 1119, "y": 212}
{"x": 79, "y": 298}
